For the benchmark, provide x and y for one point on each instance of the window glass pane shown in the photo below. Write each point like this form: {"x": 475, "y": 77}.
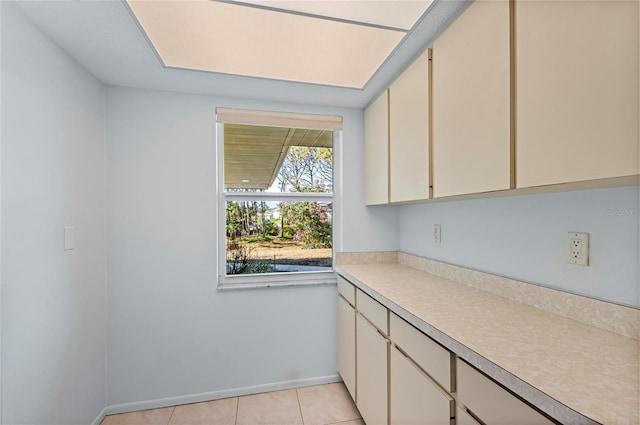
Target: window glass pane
{"x": 275, "y": 237}
{"x": 276, "y": 159}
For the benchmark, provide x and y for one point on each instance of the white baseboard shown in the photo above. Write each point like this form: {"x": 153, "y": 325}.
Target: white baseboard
{"x": 100, "y": 417}
{"x": 214, "y": 395}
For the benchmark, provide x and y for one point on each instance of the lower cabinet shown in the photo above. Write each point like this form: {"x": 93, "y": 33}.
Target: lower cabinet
{"x": 347, "y": 345}
{"x": 372, "y": 355}
{"x": 464, "y": 418}
{"x": 397, "y": 375}
{"x": 415, "y": 399}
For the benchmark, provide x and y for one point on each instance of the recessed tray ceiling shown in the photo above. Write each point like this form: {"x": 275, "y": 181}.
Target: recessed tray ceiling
{"x": 310, "y": 42}
{"x": 385, "y": 13}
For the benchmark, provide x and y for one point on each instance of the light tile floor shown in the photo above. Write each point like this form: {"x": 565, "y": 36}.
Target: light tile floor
{"x": 328, "y": 404}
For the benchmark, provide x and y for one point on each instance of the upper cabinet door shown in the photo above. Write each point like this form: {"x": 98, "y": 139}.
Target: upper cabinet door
{"x": 409, "y": 132}
{"x": 577, "y": 90}
{"x": 376, "y": 151}
{"x": 471, "y": 102}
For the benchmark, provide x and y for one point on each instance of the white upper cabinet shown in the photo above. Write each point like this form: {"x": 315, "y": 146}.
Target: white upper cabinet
{"x": 513, "y": 94}
{"x": 397, "y": 124}
{"x": 471, "y": 102}
{"x": 577, "y": 90}
{"x": 409, "y": 132}
{"x": 376, "y": 151}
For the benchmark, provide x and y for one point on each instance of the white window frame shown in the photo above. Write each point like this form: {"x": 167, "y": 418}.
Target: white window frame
{"x": 262, "y": 280}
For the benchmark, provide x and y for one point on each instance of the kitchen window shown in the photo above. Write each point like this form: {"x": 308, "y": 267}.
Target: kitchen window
{"x": 276, "y": 198}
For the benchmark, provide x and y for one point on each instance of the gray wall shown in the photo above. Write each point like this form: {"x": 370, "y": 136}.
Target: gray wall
{"x": 525, "y": 237}
{"x": 171, "y": 334}
{"x": 53, "y": 174}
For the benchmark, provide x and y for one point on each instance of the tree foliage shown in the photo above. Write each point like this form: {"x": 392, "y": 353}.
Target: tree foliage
{"x": 240, "y": 259}
{"x": 249, "y": 218}
{"x": 311, "y": 223}
{"x": 307, "y": 169}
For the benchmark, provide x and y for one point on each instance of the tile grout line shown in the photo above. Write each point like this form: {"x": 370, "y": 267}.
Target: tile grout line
{"x": 171, "y": 416}
{"x": 344, "y": 422}
{"x": 237, "y": 408}
{"x": 359, "y": 417}
{"x": 299, "y": 406}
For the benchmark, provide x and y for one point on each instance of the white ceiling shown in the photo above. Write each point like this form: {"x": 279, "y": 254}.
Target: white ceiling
{"x": 105, "y": 38}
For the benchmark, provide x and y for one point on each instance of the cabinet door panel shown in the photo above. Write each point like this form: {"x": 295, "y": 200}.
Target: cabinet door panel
{"x": 409, "y": 132}
{"x": 376, "y": 151}
{"x": 414, "y": 399}
{"x": 347, "y": 345}
{"x": 471, "y": 102}
{"x": 577, "y": 90}
{"x": 371, "y": 373}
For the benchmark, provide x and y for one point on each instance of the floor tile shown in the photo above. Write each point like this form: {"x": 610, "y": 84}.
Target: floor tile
{"x": 274, "y": 408}
{"x": 142, "y": 417}
{"x": 326, "y": 404}
{"x": 217, "y": 412}
{"x": 356, "y": 422}
{"x": 106, "y": 420}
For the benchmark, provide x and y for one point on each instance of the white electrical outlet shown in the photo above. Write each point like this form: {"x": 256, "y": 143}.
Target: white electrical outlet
{"x": 579, "y": 248}
{"x": 437, "y": 233}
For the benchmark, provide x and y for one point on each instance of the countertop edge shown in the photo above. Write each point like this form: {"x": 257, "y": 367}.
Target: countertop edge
{"x": 530, "y": 394}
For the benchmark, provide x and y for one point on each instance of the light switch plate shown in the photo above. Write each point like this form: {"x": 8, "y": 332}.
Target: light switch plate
{"x": 68, "y": 238}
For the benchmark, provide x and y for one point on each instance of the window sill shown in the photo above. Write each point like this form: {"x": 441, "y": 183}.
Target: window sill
{"x": 269, "y": 280}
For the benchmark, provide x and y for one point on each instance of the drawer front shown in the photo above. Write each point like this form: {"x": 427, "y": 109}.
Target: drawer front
{"x": 491, "y": 403}
{"x": 375, "y": 312}
{"x": 347, "y": 290}
{"x": 431, "y": 357}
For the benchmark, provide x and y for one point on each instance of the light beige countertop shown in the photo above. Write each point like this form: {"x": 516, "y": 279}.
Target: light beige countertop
{"x": 574, "y": 372}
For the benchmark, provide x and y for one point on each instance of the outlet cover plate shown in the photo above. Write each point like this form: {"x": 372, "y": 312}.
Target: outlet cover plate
{"x": 579, "y": 248}
{"x": 437, "y": 233}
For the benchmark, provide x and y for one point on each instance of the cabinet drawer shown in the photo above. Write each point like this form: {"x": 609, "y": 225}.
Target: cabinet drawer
{"x": 375, "y": 312}
{"x": 347, "y": 290}
{"x": 431, "y": 357}
{"x": 491, "y": 403}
